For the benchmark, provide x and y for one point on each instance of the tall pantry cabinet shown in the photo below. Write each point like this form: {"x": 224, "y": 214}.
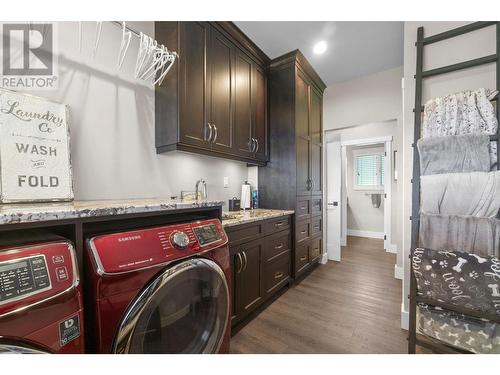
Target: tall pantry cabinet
{"x": 293, "y": 178}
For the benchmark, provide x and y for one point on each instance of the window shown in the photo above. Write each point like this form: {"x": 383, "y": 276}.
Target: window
{"x": 368, "y": 170}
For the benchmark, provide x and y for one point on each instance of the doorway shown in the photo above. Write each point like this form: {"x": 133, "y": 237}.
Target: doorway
{"x": 359, "y": 192}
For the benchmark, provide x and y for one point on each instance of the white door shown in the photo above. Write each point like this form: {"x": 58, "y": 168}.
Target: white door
{"x": 387, "y": 196}
{"x": 333, "y": 195}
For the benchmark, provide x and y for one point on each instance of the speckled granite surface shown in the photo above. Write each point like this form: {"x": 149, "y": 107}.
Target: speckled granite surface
{"x": 231, "y": 218}
{"x": 33, "y": 212}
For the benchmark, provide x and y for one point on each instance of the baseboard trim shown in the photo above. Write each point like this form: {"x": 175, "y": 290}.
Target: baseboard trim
{"x": 398, "y": 272}
{"x": 365, "y": 233}
{"x": 405, "y": 319}
{"x": 393, "y": 248}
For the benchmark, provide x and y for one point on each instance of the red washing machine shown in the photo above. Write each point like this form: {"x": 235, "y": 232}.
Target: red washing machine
{"x": 41, "y": 308}
{"x": 160, "y": 290}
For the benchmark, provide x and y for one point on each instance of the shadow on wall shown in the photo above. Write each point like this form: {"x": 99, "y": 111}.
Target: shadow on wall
{"x": 113, "y": 126}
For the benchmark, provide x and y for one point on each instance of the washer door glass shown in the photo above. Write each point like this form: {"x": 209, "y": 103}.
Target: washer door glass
{"x": 184, "y": 310}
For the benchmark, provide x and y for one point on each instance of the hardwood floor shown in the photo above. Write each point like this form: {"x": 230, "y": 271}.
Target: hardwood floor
{"x": 352, "y": 306}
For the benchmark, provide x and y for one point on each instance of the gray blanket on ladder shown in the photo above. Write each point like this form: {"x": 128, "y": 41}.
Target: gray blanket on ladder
{"x": 474, "y": 193}
{"x": 474, "y": 235}
{"x": 454, "y": 154}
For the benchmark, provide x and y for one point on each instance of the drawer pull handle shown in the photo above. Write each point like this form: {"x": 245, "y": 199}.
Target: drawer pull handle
{"x": 303, "y": 232}
{"x": 277, "y": 225}
{"x": 303, "y": 258}
{"x": 278, "y": 275}
{"x": 303, "y": 208}
{"x": 316, "y": 250}
{"x": 279, "y": 246}
{"x": 316, "y": 227}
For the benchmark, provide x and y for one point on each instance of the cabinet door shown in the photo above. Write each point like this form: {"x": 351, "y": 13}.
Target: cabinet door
{"x": 248, "y": 279}
{"x": 221, "y": 65}
{"x": 315, "y": 121}
{"x": 193, "y": 115}
{"x": 243, "y": 105}
{"x": 302, "y": 136}
{"x": 259, "y": 88}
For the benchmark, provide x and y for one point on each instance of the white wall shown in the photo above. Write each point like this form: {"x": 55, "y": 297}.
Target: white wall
{"x": 473, "y": 45}
{"x": 365, "y": 107}
{"x": 112, "y": 125}
{"x": 368, "y": 99}
{"x": 361, "y": 215}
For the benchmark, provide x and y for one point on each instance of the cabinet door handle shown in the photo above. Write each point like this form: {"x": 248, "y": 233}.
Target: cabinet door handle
{"x": 216, "y": 133}
{"x": 279, "y": 246}
{"x": 312, "y": 184}
{"x": 303, "y": 258}
{"x": 246, "y": 261}
{"x": 250, "y": 145}
{"x": 205, "y": 132}
{"x": 256, "y": 145}
{"x": 278, "y": 275}
{"x": 240, "y": 263}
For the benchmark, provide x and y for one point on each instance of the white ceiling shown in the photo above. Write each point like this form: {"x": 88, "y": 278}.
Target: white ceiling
{"x": 354, "y": 48}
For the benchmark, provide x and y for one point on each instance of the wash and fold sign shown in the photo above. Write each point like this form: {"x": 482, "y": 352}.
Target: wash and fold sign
{"x": 34, "y": 149}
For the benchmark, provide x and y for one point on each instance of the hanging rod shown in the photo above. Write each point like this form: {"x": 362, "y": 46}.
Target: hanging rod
{"x": 134, "y": 32}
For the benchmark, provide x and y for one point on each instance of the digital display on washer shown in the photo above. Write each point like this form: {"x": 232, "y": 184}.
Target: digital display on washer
{"x": 206, "y": 234}
{"x": 22, "y": 278}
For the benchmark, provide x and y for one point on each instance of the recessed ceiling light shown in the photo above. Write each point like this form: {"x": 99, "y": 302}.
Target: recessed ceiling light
{"x": 320, "y": 47}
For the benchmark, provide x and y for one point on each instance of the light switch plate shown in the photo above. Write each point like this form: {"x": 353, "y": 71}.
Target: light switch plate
{"x": 226, "y": 182}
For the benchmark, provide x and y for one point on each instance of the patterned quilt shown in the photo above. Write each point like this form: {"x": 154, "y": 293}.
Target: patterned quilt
{"x": 460, "y": 331}
{"x": 458, "y": 278}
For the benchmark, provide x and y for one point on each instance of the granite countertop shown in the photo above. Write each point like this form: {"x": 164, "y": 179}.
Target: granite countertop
{"x": 35, "y": 212}
{"x": 231, "y": 218}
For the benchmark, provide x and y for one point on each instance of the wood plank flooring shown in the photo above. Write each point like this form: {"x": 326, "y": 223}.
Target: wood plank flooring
{"x": 352, "y": 306}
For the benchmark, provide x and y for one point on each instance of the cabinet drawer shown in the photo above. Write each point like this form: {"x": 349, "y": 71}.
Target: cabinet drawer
{"x": 276, "y": 245}
{"x": 302, "y": 231}
{"x": 277, "y": 272}
{"x": 316, "y": 249}
{"x": 244, "y": 233}
{"x": 303, "y": 208}
{"x": 276, "y": 225}
{"x": 316, "y": 226}
{"x": 301, "y": 257}
{"x": 316, "y": 206}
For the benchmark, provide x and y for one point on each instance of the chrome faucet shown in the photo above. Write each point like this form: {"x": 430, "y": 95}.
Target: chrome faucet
{"x": 204, "y": 189}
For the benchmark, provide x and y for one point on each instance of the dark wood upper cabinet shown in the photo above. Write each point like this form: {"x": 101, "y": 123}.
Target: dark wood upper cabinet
{"x": 260, "y": 123}
{"x": 221, "y": 66}
{"x": 214, "y": 99}
{"x": 243, "y": 104}
{"x": 194, "y": 75}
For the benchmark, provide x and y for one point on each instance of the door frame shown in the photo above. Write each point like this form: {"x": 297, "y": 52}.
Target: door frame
{"x": 387, "y": 141}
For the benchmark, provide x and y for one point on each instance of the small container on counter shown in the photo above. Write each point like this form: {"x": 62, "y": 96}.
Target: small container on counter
{"x": 234, "y": 204}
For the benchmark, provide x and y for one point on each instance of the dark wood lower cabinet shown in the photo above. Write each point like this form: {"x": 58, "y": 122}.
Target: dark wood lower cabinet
{"x": 261, "y": 257}
{"x": 247, "y": 273}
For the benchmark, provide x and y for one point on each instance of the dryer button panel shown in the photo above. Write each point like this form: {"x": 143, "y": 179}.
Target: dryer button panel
{"x": 22, "y": 278}
{"x": 33, "y": 273}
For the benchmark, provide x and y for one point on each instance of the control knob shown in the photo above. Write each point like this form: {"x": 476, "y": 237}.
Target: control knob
{"x": 180, "y": 240}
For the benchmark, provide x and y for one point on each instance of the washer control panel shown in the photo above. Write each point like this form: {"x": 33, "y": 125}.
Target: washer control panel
{"x": 35, "y": 272}
{"x": 134, "y": 250}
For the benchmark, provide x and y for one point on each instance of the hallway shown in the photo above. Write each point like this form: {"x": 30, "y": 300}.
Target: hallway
{"x": 347, "y": 307}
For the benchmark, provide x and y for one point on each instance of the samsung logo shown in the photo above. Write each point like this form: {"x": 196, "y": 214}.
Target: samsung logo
{"x": 130, "y": 238}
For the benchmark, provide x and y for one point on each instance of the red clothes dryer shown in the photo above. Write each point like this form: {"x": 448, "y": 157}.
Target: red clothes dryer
{"x": 160, "y": 290}
{"x": 41, "y": 308}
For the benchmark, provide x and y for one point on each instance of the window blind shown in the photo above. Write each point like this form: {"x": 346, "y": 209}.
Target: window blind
{"x": 370, "y": 170}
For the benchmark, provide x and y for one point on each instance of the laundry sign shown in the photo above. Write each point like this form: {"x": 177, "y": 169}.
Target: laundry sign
{"x": 34, "y": 149}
